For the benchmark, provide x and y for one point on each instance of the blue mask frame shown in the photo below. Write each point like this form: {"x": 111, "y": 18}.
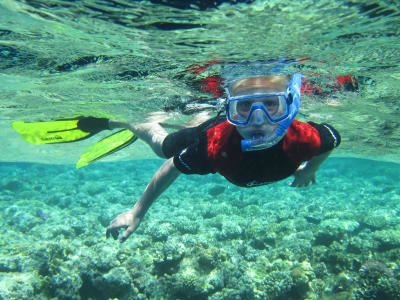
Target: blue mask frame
{"x": 294, "y": 92}
{"x": 253, "y": 108}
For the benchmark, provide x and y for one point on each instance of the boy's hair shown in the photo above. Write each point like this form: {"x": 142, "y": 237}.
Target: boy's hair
{"x": 275, "y": 82}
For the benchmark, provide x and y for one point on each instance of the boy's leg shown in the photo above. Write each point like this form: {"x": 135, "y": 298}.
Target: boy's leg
{"x": 155, "y": 135}
{"x": 151, "y": 133}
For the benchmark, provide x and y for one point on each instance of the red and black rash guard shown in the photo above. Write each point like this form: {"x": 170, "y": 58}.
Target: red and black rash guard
{"x": 218, "y": 150}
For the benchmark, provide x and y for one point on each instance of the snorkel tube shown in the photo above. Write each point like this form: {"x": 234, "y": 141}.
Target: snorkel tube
{"x": 293, "y": 91}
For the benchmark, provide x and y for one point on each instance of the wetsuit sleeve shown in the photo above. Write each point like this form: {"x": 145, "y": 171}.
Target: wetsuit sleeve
{"x": 194, "y": 159}
{"x": 329, "y": 136}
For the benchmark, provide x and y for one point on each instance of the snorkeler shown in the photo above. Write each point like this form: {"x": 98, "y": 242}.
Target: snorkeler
{"x": 258, "y": 142}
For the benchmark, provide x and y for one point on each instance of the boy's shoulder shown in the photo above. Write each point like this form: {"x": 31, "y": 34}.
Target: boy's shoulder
{"x": 310, "y": 138}
{"x": 301, "y": 131}
{"x": 302, "y": 141}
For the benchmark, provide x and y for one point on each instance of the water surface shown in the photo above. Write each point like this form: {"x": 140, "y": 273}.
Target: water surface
{"x": 204, "y": 238}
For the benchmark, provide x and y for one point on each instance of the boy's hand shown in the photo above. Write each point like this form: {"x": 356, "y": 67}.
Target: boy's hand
{"x": 128, "y": 220}
{"x": 303, "y": 177}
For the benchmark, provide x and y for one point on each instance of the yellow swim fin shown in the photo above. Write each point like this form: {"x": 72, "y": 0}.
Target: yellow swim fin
{"x": 106, "y": 146}
{"x": 60, "y": 131}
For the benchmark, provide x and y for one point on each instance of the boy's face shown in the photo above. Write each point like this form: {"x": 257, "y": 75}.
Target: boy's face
{"x": 259, "y": 125}
{"x": 249, "y": 115}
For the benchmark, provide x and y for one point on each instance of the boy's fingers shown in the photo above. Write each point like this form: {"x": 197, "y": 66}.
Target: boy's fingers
{"x": 126, "y": 234}
{"x": 112, "y": 231}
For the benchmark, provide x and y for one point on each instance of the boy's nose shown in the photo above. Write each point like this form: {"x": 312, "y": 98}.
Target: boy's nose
{"x": 258, "y": 118}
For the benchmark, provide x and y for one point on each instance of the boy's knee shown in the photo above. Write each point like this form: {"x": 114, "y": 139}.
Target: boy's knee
{"x": 153, "y": 135}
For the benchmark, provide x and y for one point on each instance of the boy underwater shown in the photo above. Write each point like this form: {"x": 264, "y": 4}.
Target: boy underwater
{"x": 258, "y": 142}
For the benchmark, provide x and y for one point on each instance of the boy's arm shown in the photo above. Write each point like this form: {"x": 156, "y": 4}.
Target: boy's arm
{"x": 305, "y": 175}
{"x": 131, "y": 219}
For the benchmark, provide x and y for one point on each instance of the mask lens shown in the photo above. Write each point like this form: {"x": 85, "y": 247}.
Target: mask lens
{"x": 271, "y": 105}
{"x": 241, "y": 109}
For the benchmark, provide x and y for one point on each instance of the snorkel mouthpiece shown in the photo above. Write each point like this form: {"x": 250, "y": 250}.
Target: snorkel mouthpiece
{"x": 249, "y": 145}
{"x": 260, "y": 143}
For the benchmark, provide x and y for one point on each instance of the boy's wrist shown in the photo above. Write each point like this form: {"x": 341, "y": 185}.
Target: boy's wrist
{"x": 309, "y": 168}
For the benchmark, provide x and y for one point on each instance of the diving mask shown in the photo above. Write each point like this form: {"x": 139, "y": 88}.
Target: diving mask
{"x": 274, "y": 105}
{"x": 278, "y": 109}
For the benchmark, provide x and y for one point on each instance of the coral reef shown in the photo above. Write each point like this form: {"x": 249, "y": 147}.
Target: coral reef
{"x": 323, "y": 242}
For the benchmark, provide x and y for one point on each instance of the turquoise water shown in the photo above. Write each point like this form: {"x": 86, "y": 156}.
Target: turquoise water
{"x": 203, "y": 238}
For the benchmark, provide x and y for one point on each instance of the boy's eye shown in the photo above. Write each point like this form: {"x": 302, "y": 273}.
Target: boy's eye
{"x": 270, "y": 103}
{"x": 244, "y": 105}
